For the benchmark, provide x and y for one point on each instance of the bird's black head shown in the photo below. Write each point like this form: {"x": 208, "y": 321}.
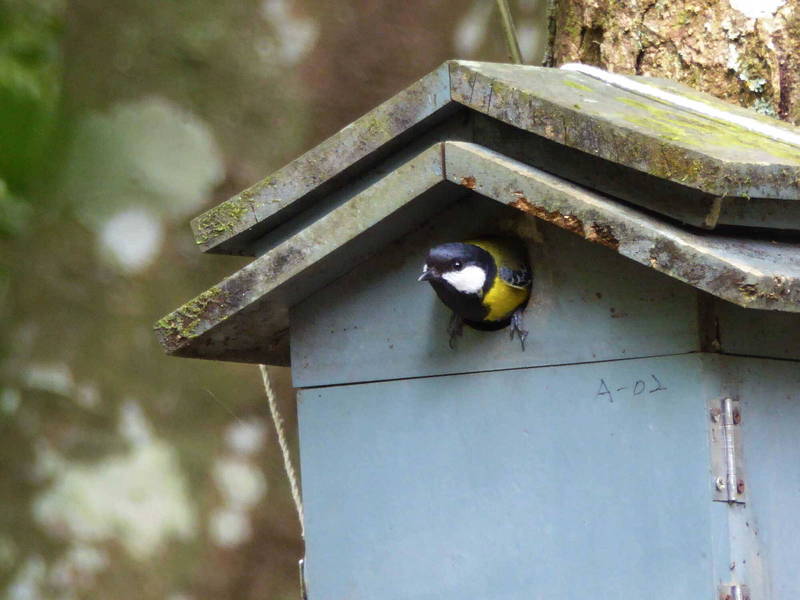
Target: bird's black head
{"x": 465, "y": 268}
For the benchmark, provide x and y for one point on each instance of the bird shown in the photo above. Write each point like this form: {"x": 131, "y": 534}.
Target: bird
{"x": 486, "y": 282}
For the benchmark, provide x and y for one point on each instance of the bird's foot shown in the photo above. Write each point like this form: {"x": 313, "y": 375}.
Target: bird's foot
{"x": 518, "y": 327}
{"x": 456, "y": 329}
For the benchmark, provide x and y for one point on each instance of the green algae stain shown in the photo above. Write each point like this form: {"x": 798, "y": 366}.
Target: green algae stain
{"x": 577, "y": 86}
{"x": 376, "y": 125}
{"x": 222, "y": 219}
{"x": 703, "y": 134}
{"x": 183, "y": 323}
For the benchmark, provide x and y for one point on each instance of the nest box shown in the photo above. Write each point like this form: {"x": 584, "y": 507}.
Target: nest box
{"x": 645, "y": 442}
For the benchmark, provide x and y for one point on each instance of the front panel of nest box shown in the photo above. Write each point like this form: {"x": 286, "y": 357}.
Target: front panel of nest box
{"x": 588, "y": 304}
{"x": 569, "y": 482}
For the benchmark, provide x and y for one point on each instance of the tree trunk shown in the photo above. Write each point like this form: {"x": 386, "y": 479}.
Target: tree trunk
{"x": 743, "y": 51}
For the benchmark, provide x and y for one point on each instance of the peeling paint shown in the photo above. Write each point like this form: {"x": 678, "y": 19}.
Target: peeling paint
{"x": 568, "y": 222}
{"x": 602, "y": 234}
{"x": 738, "y": 270}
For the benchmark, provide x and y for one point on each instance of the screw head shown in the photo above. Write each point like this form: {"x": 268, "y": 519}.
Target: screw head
{"x": 737, "y": 416}
{"x": 740, "y": 486}
{"x": 719, "y": 482}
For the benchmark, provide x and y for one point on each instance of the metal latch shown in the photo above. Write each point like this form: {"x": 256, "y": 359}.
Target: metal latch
{"x": 733, "y": 591}
{"x": 726, "y": 451}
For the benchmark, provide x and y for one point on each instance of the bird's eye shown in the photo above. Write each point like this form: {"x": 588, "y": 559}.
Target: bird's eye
{"x": 457, "y": 265}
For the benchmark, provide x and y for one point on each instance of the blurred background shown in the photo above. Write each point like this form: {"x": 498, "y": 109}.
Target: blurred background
{"x": 123, "y": 473}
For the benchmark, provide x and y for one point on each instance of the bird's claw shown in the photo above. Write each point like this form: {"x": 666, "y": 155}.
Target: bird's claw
{"x": 518, "y": 327}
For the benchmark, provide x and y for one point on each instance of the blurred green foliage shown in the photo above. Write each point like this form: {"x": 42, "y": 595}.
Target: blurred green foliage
{"x": 30, "y": 83}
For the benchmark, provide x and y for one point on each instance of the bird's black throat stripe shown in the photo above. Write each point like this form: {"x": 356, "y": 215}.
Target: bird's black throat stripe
{"x": 468, "y": 306}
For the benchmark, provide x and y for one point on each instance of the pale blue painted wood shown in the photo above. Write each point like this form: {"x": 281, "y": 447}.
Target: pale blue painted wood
{"x": 378, "y": 322}
{"x": 764, "y": 333}
{"x": 766, "y": 532}
{"x": 511, "y": 485}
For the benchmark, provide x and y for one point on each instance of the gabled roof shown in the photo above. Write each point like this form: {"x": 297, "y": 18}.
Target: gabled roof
{"x": 245, "y": 317}
{"x": 700, "y": 161}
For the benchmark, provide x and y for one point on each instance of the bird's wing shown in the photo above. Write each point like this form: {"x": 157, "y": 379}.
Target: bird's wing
{"x": 510, "y": 257}
{"x": 519, "y": 278}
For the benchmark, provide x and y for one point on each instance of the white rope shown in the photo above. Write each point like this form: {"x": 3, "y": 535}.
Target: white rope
{"x": 291, "y": 474}
{"x": 776, "y": 133}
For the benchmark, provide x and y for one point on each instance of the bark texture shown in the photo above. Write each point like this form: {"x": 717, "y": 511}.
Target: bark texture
{"x": 743, "y": 51}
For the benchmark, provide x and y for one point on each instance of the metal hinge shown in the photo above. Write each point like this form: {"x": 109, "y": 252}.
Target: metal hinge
{"x": 733, "y": 591}
{"x": 726, "y": 451}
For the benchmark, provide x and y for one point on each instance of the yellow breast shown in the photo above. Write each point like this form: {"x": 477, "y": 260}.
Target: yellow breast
{"x": 503, "y": 299}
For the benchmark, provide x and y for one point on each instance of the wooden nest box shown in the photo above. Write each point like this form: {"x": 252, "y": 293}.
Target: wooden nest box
{"x": 645, "y": 444}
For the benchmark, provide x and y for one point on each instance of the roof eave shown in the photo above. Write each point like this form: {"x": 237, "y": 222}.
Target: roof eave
{"x": 245, "y": 317}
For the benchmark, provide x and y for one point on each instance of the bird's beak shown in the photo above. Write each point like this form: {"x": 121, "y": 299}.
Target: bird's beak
{"x": 426, "y": 275}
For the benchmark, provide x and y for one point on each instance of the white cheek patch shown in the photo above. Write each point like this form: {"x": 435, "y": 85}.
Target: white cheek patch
{"x": 468, "y": 280}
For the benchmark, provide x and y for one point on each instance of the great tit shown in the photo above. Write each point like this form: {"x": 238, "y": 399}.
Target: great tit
{"x": 486, "y": 282}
